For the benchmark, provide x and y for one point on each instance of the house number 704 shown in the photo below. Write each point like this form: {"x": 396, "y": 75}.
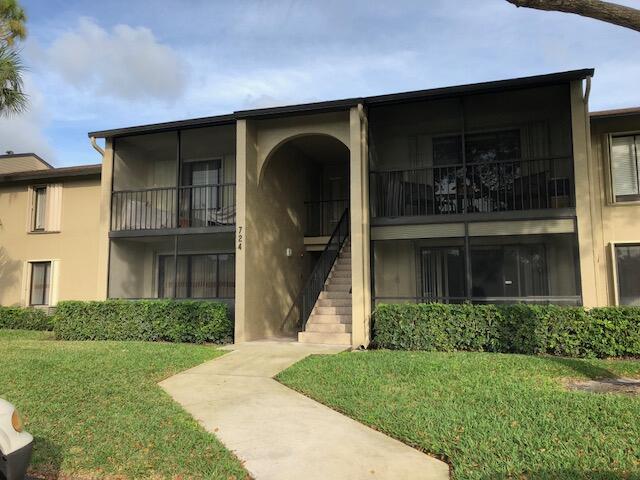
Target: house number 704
{"x": 239, "y": 237}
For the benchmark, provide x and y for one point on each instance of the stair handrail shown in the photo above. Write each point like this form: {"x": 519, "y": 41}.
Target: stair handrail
{"x": 315, "y": 284}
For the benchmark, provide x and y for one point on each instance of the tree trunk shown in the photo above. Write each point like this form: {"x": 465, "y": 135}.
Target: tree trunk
{"x": 606, "y": 11}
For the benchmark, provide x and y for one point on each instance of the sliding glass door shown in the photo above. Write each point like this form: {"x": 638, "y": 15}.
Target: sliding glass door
{"x": 198, "y": 276}
{"x": 509, "y": 271}
{"x": 443, "y": 274}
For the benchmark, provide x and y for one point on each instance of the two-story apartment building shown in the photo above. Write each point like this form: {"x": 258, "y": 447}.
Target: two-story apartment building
{"x": 302, "y": 218}
{"x": 49, "y": 222}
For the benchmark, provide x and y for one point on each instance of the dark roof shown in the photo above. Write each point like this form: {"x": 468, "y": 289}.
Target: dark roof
{"x": 337, "y": 105}
{"x": 28, "y": 154}
{"x": 53, "y": 173}
{"x": 620, "y": 112}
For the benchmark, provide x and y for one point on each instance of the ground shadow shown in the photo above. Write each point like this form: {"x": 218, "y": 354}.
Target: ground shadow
{"x": 48, "y": 457}
{"x": 581, "y": 366}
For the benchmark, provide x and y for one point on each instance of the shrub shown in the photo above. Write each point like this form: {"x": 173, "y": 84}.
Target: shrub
{"x": 527, "y": 329}
{"x": 150, "y": 320}
{"x": 25, "y": 318}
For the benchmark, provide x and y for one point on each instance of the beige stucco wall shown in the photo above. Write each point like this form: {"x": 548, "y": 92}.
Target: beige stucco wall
{"x": 584, "y": 178}
{"x": 74, "y": 250}
{"x": 104, "y": 222}
{"x": 612, "y": 222}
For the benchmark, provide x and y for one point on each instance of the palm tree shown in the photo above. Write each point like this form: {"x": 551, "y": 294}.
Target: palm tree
{"x": 12, "y": 28}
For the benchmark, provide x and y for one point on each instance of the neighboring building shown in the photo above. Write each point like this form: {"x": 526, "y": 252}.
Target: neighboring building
{"x": 49, "y": 222}
{"x": 614, "y": 196}
{"x": 21, "y": 162}
{"x": 489, "y": 193}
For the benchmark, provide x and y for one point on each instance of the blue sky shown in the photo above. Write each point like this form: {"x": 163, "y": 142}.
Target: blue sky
{"x": 97, "y": 65}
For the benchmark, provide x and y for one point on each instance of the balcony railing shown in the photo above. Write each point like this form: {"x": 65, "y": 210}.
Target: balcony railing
{"x": 475, "y": 188}
{"x": 323, "y": 216}
{"x": 174, "y": 207}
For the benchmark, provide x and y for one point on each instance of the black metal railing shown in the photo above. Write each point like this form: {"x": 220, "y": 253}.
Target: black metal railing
{"x": 473, "y": 188}
{"x": 308, "y": 295}
{"x": 322, "y": 216}
{"x": 174, "y": 207}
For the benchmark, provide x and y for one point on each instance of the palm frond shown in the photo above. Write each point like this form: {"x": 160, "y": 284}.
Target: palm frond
{"x": 13, "y": 100}
{"x": 12, "y": 22}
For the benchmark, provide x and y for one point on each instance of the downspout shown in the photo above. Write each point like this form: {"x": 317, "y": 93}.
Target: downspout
{"x": 97, "y": 147}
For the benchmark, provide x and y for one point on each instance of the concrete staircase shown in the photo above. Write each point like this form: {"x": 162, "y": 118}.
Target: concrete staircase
{"x": 330, "y": 319}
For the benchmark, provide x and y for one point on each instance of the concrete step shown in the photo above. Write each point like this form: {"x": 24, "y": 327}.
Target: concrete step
{"x": 342, "y": 267}
{"x": 332, "y": 310}
{"x": 340, "y": 273}
{"x": 339, "y": 288}
{"x": 329, "y": 327}
{"x": 325, "y": 338}
{"x": 333, "y": 302}
{"x": 329, "y": 319}
{"x": 326, "y": 294}
{"x": 339, "y": 281}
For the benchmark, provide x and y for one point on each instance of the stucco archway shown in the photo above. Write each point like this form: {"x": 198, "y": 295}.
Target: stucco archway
{"x": 300, "y": 171}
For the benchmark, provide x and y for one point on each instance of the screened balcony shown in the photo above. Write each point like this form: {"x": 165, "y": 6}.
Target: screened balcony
{"x": 179, "y": 179}
{"x": 198, "y": 267}
{"x": 538, "y": 269}
{"x": 497, "y": 152}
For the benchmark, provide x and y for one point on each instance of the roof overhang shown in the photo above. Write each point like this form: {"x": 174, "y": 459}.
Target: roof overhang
{"x": 344, "y": 104}
{"x": 621, "y": 112}
{"x": 87, "y": 171}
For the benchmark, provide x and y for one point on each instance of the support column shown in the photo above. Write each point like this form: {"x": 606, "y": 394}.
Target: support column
{"x": 360, "y": 232}
{"x": 106, "y": 181}
{"x": 241, "y": 215}
{"x": 582, "y": 178}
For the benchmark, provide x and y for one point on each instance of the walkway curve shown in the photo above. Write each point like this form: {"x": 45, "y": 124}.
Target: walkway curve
{"x": 280, "y": 434}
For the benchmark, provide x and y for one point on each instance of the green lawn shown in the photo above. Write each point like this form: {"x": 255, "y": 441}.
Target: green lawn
{"x": 492, "y": 416}
{"x": 95, "y": 410}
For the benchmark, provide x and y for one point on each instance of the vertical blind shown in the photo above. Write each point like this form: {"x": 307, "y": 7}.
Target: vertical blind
{"x": 624, "y": 167}
{"x": 198, "y": 276}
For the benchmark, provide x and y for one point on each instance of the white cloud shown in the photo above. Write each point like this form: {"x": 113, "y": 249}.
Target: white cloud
{"x": 25, "y": 132}
{"x": 126, "y": 62}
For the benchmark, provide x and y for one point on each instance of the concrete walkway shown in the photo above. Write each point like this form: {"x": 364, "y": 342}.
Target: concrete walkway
{"x": 280, "y": 434}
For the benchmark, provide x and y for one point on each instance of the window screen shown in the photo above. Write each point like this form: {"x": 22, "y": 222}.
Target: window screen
{"x": 625, "y": 151}
{"x": 40, "y": 283}
{"x": 628, "y": 268}
{"x": 40, "y": 205}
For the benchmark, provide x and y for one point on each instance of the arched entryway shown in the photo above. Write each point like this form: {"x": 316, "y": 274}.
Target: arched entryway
{"x": 303, "y": 190}
{"x": 321, "y": 166}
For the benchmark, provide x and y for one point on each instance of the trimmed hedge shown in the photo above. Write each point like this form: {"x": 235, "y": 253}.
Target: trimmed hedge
{"x": 528, "y": 329}
{"x": 148, "y": 320}
{"x": 25, "y": 318}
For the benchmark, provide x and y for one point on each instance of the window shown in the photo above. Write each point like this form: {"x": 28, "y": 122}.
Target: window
{"x": 45, "y": 206}
{"x": 627, "y": 258}
{"x": 479, "y": 148}
{"x": 39, "y": 208}
{"x": 443, "y": 274}
{"x": 198, "y": 276}
{"x": 40, "y": 283}
{"x": 493, "y": 146}
{"x": 625, "y": 167}
{"x": 200, "y": 200}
